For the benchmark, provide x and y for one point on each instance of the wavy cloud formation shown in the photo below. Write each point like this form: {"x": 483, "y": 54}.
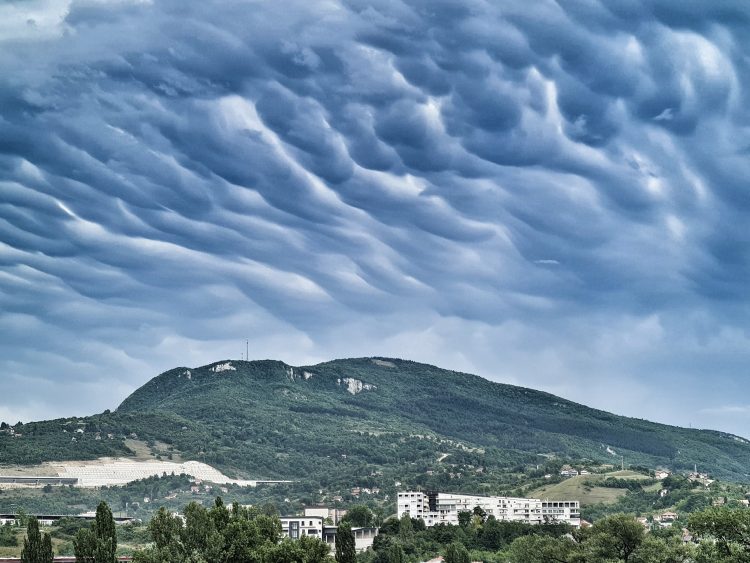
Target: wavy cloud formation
{"x": 554, "y": 196}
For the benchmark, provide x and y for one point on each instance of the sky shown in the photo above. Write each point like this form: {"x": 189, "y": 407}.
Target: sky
{"x": 549, "y": 194}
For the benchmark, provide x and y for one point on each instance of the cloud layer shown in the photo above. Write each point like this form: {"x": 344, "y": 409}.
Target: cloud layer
{"x": 554, "y": 196}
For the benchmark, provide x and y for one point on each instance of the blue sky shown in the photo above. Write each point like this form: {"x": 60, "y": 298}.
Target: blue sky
{"x": 551, "y": 194}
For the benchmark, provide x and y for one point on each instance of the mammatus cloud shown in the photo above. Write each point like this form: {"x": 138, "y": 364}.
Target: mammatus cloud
{"x": 554, "y": 197}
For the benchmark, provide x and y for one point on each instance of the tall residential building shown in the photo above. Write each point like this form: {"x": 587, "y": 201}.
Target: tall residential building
{"x": 443, "y": 508}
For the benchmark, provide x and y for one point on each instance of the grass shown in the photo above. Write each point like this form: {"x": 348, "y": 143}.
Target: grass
{"x": 575, "y": 489}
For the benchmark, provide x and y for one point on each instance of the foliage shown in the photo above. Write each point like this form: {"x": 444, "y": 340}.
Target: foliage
{"x": 8, "y": 536}
{"x": 345, "y": 548}
{"x": 37, "y": 547}
{"x": 726, "y": 533}
{"x": 359, "y": 516}
{"x": 224, "y": 535}
{"x": 97, "y": 544}
{"x": 457, "y": 553}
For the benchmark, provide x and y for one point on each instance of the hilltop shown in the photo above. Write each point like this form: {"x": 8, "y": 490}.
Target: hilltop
{"x": 367, "y": 422}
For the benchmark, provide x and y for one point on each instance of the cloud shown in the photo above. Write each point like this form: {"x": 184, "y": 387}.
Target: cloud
{"x": 558, "y": 191}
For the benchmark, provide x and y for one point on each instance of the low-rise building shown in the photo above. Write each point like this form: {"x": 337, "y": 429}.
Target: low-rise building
{"x": 297, "y": 526}
{"x": 443, "y": 508}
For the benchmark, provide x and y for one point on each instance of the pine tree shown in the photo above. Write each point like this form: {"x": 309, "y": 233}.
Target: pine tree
{"x": 346, "y": 551}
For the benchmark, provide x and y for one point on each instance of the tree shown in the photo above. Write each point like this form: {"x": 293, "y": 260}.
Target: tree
{"x": 84, "y": 546}
{"x": 725, "y": 531}
{"x": 405, "y": 527}
{"x": 541, "y": 549}
{"x": 106, "y": 535}
{"x": 346, "y": 551}
{"x": 395, "y": 554}
{"x": 47, "y": 554}
{"x": 97, "y": 544}
{"x": 457, "y": 553}
{"x": 359, "y": 516}
{"x": 464, "y": 518}
{"x": 663, "y": 550}
{"x": 36, "y": 548}
{"x": 480, "y": 512}
{"x": 614, "y": 538}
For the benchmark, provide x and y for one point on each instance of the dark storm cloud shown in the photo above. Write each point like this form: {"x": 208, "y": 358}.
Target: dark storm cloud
{"x": 477, "y": 184}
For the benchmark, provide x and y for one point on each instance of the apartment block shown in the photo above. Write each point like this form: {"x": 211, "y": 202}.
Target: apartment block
{"x": 443, "y": 508}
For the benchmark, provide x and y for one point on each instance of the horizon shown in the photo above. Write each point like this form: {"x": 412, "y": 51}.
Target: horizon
{"x": 553, "y": 196}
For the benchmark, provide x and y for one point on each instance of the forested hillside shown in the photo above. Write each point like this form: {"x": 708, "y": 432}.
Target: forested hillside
{"x": 368, "y": 421}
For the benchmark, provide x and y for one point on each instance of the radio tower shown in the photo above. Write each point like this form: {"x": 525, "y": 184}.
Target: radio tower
{"x": 247, "y": 350}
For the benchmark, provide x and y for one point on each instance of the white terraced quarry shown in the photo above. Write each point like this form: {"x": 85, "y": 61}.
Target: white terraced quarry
{"x": 119, "y": 471}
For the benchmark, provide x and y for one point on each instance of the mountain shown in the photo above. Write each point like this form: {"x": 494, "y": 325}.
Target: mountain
{"x": 368, "y": 421}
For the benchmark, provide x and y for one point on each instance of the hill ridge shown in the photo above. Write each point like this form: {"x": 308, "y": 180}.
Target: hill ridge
{"x": 340, "y": 419}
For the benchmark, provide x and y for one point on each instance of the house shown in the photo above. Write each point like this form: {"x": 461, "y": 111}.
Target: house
{"x": 569, "y": 472}
{"x": 665, "y": 519}
{"x": 661, "y": 474}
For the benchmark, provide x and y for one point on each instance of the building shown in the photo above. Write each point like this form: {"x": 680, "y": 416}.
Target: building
{"x": 665, "y": 519}
{"x": 50, "y": 519}
{"x": 295, "y": 527}
{"x": 334, "y": 514}
{"x": 443, "y": 508}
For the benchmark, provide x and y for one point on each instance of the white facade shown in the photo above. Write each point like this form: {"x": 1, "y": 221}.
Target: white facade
{"x": 443, "y": 508}
{"x": 297, "y": 526}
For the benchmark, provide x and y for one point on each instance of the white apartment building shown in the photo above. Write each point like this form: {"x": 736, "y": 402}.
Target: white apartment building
{"x": 443, "y": 508}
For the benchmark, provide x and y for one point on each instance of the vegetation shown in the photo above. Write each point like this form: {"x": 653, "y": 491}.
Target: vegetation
{"x": 223, "y": 535}
{"x": 345, "y": 548}
{"x": 37, "y": 547}
{"x": 239, "y": 534}
{"x": 277, "y": 422}
{"x": 97, "y": 544}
